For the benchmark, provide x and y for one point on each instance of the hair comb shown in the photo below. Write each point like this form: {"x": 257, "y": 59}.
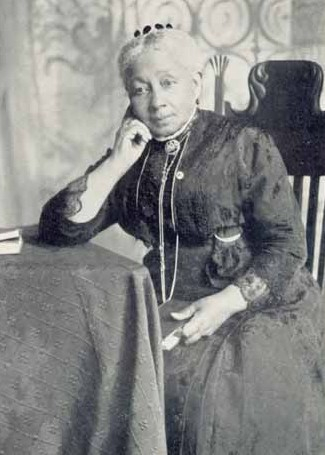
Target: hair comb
{"x": 148, "y": 28}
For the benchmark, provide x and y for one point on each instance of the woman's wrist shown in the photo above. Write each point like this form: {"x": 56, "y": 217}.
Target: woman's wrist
{"x": 100, "y": 183}
{"x": 236, "y": 298}
{"x": 113, "y": 168}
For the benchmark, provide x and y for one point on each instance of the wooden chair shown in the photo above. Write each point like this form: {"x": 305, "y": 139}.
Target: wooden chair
{"x": 284, "y": 100}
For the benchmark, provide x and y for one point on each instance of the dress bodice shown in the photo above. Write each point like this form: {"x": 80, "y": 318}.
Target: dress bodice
{"x": 228, "y": 180}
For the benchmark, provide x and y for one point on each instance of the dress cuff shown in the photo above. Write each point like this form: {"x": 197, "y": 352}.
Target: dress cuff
{"x": 72, "y": 203}
{"x": 252, "y": 287}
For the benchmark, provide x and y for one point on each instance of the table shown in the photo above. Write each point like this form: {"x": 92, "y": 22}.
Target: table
{"x": 80, "y": 354}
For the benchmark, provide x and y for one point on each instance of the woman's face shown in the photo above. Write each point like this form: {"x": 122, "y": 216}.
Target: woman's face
{"x": 162, "y": 93}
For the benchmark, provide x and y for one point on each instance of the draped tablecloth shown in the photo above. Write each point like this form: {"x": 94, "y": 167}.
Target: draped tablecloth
{"x": 80, "y": 357}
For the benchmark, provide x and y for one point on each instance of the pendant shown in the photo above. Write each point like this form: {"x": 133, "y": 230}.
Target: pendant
{"x": 172, "y": 147}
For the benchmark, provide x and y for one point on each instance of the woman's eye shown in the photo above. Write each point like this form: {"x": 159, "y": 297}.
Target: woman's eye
{"x": 139, "y": 91}
{"x": 167, "y": 83}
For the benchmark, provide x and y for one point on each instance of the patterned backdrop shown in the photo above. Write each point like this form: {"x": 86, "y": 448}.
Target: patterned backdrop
{"x": 61, "y": 86}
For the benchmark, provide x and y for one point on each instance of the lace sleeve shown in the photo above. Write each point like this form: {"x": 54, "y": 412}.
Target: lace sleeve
{"x": 73, "y": 192}
{"x": 56, "y": 228}
{"x": 253, "y": 288}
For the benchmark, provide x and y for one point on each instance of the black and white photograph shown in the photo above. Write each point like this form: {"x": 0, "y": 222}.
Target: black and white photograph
{"x": 162, "y": 227}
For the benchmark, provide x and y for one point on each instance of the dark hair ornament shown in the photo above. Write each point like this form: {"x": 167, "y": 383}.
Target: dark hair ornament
{"x": 148, "y": 28}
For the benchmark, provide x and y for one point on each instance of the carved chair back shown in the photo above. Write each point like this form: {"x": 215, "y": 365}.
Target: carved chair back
{"x": 285, "y": 101}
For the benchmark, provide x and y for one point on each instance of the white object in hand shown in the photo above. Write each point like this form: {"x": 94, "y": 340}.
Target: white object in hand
{"x": 172, "y": 340}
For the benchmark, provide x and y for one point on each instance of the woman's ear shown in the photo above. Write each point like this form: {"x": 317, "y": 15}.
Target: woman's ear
{"x": 197, "y": 82}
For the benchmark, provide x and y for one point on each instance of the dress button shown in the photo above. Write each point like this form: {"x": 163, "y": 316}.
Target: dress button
{"x": 179, "y": 175}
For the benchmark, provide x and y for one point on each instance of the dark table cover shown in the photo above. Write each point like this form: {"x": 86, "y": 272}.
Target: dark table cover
{"x": 80, "y": 357}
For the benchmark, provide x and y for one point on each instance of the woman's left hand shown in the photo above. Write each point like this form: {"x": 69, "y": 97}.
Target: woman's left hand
{"x": 209, "y": 313}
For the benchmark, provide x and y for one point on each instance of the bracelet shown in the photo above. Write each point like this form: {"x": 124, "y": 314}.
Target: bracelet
{"x": 252, "y": 287}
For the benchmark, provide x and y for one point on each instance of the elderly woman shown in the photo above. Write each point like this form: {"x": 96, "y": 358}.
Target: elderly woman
{"x": 211, "y": 199}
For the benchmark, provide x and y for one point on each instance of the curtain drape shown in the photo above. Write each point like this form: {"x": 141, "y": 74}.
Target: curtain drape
{"x": 19, "y": 117}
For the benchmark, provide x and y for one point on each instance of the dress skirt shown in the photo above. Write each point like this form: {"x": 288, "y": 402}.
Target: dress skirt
{"x": 255, "y": 387}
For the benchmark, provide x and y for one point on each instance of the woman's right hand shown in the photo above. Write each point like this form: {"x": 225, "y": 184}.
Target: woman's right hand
{"x": 130, "y": 141}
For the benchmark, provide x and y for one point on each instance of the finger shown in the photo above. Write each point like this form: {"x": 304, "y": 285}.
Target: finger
{"x": 138, "y": 139}
{"x": 194, "y": 338}
{"x": 137, "y": 124}
{"x": 208, "y": 332}
{"x": 145, "y": 134}
{"x": 137, "y": 132}
{"x": 192, "y": 327}
{"x": 186, "y": 313}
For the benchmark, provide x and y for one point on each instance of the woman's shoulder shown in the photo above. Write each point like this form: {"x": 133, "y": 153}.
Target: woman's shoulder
{"x": 235, "y": 139}
{"x": 214, "y": 131}
{"x": 212, "y": 118}
{"x": 236, "y": 127}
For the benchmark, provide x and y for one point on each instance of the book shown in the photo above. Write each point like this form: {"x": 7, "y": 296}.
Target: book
{"x": 11, "y": 241}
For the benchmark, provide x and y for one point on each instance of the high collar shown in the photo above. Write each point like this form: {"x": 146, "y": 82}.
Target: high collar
{"x": 178, "y": 135}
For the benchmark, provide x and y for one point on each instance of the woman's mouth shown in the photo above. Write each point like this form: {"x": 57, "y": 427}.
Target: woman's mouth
{"x": 161, "y": 119}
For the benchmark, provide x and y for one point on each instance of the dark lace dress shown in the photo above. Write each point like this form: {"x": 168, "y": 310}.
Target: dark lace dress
{"x": 220, "y": 211}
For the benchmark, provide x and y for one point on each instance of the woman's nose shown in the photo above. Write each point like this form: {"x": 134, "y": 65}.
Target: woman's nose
{"x": 157, "y": 99}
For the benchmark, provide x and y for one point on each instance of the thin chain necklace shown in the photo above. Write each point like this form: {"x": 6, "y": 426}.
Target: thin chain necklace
{"x": 172, "y": 148}
{"x": 167, "y": 167}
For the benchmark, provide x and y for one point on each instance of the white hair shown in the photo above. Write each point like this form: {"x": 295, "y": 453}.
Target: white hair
{"x": 179, "y": 44}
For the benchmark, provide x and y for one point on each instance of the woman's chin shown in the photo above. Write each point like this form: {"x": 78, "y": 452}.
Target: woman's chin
{"x": 161, "y": 133}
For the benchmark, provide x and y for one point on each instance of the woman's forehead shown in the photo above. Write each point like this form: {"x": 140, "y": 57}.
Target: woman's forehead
{"x": 155, "y": 62}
